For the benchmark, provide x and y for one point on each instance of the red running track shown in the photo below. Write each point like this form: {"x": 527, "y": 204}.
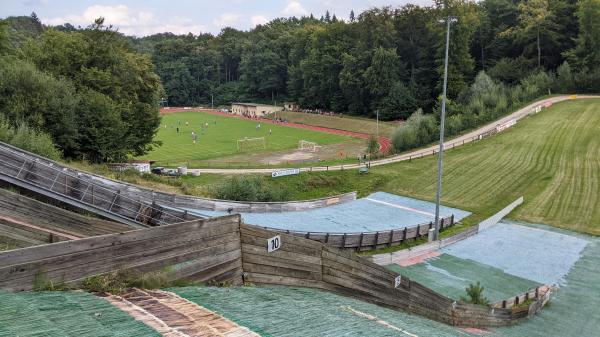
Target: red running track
{"x": 384, "y": 142}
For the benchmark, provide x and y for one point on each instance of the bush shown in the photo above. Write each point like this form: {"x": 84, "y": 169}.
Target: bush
{"x": 242, "y": 188}
{"x": 418, "y": 130}
{"x": 454, "y": 125}
{"x": 118, "y": 282}
{"x": 510, "y": 71}
{"x": 475, "y": 295}
{"x": 372, "y": 145}
{"x": 29, "y": 139}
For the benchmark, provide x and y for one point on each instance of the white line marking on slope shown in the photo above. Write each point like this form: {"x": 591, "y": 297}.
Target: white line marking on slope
{"x": 401, "y": 207}
{"x": 377, "y": 320}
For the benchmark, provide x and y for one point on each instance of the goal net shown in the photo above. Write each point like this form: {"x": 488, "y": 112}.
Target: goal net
{"x": 248, "y": 144}
{"x": 305, "y": 145}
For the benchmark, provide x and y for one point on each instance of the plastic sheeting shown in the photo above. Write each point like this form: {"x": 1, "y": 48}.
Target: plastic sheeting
{"x": 575, "y": 309}
{"x": 77, "y": 314}
{"x": 378, "y": 212}
{"x": 290, "y": 312}
{"x": 534, "y": 253}
{"x": 450, "y": 275}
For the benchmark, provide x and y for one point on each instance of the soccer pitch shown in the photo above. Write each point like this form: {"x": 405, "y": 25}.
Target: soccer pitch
{"x": 220, "y": 137}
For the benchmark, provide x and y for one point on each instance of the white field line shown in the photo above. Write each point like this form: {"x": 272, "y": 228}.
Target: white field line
{"x": 401, "y": 207}
{"x": 376, "y": 320}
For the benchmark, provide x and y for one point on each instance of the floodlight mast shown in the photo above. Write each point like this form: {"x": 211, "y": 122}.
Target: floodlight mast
{"x": 438, "y": 194}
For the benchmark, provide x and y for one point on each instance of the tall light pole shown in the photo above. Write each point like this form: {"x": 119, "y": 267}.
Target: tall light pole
{"x": 377, "y": 123}
{"x": 438, "y": 194}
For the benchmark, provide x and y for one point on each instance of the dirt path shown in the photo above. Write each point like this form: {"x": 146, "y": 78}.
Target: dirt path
{"x": 384, "y": 142}
{"x": 431, "y": 150}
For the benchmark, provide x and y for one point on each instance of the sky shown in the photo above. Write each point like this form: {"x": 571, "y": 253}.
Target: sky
{"x": 147, "y": 17}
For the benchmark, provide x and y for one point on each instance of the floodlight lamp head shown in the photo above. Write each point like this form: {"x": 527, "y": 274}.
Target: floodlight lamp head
{"x": 452, "y": 19}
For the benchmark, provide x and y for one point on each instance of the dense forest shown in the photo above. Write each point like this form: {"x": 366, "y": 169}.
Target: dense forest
{"x": 386, "y": 59}
{"x": 97, "y": 92}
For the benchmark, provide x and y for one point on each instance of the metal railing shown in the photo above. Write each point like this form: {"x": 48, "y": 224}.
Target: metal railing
{"x": 53, "y": 181}
{"x": 367, "y": 240}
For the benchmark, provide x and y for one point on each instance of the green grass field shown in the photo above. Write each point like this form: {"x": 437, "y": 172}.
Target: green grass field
{"x": 552, "y": 159}
{"x": 354, "y": 124}
{"x": 220, "y": 139}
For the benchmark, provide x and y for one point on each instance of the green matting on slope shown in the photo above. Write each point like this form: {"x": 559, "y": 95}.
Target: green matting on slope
{"x": 450, "y": 275}
{"x": 282, "y": 311}
{"x": 49, "y": 314}
{"x": 574, "y": 309}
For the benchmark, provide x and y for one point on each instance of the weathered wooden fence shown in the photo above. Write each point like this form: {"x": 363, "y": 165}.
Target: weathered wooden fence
{"x": 307, "y": 263}
{"x": 39, "y": 214}
{"x": 202, "y": 250}
{"x": 53, "y": 180}
{"x": 541, "y": 292}
{"x": 223, "y": 249}
{"x": 369, "y": 240}
{"x": 76, "y": 182}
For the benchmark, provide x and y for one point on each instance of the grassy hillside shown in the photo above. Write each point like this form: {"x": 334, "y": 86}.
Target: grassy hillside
{"x": 552, "y": 159}
{"x": 354, "y": 124}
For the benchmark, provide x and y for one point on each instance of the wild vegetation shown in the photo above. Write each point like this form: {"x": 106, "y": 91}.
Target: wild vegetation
{"x": 87, "y": 89}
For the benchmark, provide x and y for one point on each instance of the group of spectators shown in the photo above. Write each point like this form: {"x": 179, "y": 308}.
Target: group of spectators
{"x": 321, "y": 112}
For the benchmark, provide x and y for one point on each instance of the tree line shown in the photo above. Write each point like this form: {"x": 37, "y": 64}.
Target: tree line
{"x": 386, "y": 59}
{"x": 96, "y": 92}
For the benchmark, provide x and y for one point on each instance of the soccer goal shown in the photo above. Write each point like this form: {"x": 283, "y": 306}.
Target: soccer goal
{"x": 305, "y": 145}
{"x": 248, "y": 144}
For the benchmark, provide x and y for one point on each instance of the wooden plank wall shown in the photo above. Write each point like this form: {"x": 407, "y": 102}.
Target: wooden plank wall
{"x": 83, "y": 188}
{"x": 43, "y": 215}
{"x": 14, "y": 158}
{"x": 222, "y": 249}
{"x": 201, "y": 250}
{"x": 306, "y": 263}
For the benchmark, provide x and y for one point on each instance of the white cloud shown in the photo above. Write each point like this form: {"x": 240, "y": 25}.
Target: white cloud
{"x": 120, "y": 16}
{"x": 258, "y": 20}
{"x": 294, "y": 8}
{"x": 227, "y": 19}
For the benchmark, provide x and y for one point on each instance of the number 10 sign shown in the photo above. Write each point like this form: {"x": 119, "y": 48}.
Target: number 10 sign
{"x": 274, "y": 243}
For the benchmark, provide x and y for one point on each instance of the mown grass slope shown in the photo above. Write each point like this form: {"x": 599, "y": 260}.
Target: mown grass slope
{"x": 348, "y": 123}
{"x": 552, "y": 159}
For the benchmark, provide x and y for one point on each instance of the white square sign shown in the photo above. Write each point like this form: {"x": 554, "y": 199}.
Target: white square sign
{"x": 274, "y": 243}
{"x": 397, "y": 281}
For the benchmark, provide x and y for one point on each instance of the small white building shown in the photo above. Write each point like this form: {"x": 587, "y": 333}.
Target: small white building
{"x": 254, "y": 110}
{"x": 291, "y": 106}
